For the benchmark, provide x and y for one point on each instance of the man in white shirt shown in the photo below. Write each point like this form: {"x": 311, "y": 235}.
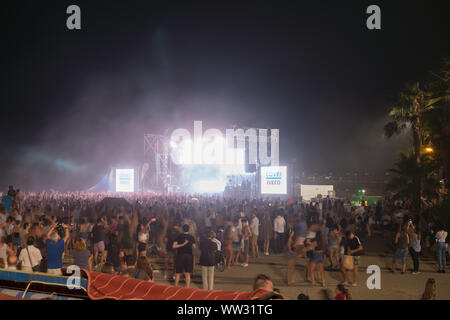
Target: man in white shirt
{"x": 279, "y": 225}
{"x": 254, "y": 228}
{"x": 30, "y": 256}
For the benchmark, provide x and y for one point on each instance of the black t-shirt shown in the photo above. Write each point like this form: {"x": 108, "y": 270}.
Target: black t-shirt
{"x": 98, "y": 233}
{"x": 186, "y": 249}
{"x": 172, "y": 235}
{"x": 362, "y": 228}
{"x": 351, "y": 244}
{"x": 208, "y": 256}
{"x": 156, "y": 227}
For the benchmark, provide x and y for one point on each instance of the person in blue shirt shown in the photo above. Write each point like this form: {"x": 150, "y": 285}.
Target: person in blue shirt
{"x": 7, "y": 203}
{"x": 55, "y": 249}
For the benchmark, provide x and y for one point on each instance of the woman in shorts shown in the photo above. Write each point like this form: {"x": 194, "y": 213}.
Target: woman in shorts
{"x": 142, "y": 238}
{"x": 334, "y": 238}
{"x": 84, "y": 229}
{"x": 317, "y": 259}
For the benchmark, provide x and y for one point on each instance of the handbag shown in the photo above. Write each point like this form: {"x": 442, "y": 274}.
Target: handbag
{"x": 348, "y": 262}
{"x": 43, "y": 265}
{"x": 35, "y": 268}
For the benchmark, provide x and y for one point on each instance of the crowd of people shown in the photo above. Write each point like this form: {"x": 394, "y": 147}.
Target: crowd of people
{"x": 38, "y": 230}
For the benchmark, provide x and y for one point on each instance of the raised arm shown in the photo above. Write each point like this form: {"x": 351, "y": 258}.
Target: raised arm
{"x": 49, "y": 232}
{"x": 66, "y": 230}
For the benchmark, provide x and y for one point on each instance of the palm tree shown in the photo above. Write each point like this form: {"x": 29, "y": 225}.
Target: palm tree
{"x": 406, "y": 172}
{"x": 437, "y": 121}
{"x": 406, "y": 114}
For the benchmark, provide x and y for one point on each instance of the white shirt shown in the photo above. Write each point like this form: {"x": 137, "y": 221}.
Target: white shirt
{"x": 278, "y": 224}
{"x": 254, "y": 226}
{"x": 35, "y": 255}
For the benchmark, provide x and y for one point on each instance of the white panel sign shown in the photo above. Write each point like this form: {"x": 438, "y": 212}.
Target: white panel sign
{"x": 311, "y": 191}
{"x": 124, "y": 180}
{"x": 273, "y": 180}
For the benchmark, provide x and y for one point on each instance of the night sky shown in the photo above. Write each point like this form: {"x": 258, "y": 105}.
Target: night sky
{"x": 76, "y": 102}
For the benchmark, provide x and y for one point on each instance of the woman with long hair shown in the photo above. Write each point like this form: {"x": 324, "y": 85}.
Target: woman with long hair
{"x": 430, "y": 290}
{"x": 441, "y": 236}
{"x": 81, "y": 255}
{"x": 317, "y": 259}
{"x": 402, "y": 244}
{"x": 144, "y": 269}
{"x": 142, "y": 239}
{"x": 414, "y": 246}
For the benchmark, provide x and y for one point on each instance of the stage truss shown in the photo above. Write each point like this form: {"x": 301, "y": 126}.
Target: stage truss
{"x": 158, "y": 175}
{"x": 156, "y": 159}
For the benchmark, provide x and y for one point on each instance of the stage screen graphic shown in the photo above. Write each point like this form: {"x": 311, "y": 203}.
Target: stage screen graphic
{"x": 124, "y": 180}
{"x": 273, "y": 180}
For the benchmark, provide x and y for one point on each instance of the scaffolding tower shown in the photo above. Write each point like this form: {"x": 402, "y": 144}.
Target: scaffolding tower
{"x": 156, "y": 159}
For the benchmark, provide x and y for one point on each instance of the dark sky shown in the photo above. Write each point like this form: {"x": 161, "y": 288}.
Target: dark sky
{"x": 75, "y": 103}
